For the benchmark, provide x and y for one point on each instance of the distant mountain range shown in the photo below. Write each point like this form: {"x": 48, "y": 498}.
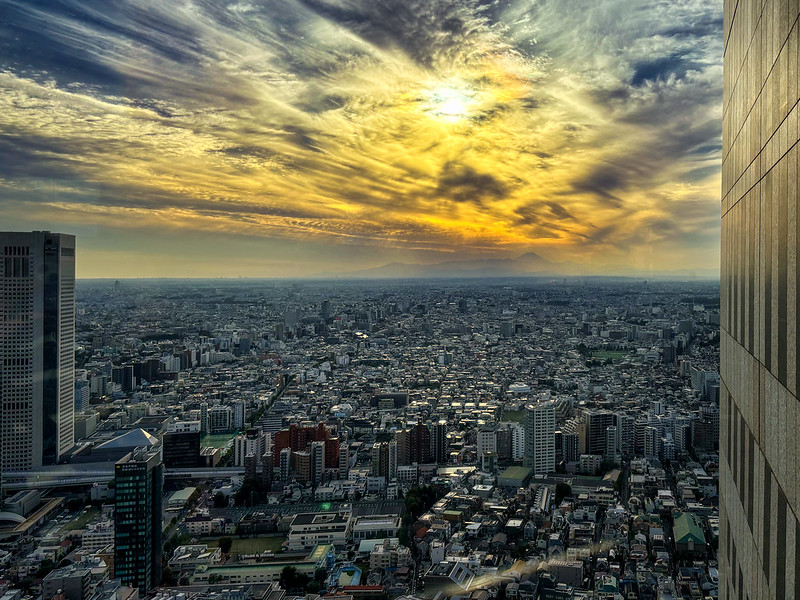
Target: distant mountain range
{"x": 529, "y": 264}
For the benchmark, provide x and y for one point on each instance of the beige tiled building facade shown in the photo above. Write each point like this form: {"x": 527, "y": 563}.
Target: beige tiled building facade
{"x": 759, "y": 548}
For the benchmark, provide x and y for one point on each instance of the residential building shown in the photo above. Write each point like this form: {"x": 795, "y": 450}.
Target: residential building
{"x": 540, "y": 437}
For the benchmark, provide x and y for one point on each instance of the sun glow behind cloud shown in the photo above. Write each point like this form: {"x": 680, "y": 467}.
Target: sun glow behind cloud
{"x": 409, "y": 130}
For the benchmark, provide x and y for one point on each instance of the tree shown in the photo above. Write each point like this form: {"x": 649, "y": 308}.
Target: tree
{"x": 403, "y": 537}
{"x": 292, "y": 580}
{"x": 521, "y": 550}
{"x": 220, "y": 501}
{"x": 313, "y": 587}
{"x": 562, "y": 491}
{"x": 75, "y": 503}
{"x": 45, "y": 567}
{"x": 225, "y": 544}
{"x": 167, "y": 576}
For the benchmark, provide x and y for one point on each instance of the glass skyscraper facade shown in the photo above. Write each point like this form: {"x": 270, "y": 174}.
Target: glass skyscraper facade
{"x": 37, "y": 347}
{"x": 759, "y": 550}
{"x": 139, "y": 483}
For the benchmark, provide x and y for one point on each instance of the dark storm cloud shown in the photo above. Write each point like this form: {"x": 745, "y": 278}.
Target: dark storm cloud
{"x": 433, "y": 33}
{"x": 464, "y": 184}
{"x": 604, "y": 183}
{"x": 662, "y": 69}
{"x": 559, "y": 212}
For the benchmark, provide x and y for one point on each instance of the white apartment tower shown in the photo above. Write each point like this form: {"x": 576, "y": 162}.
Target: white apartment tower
{"x": 487, "y": 442}
{"x": 37, "y": 348}
{"x": 540, "y": 437}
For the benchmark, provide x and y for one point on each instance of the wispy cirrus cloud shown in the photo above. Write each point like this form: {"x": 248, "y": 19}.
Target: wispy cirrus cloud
{"x": 583, "y": 130}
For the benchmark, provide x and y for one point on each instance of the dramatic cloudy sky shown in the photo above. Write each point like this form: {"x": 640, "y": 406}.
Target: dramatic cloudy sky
{"x": 292, "y": 137}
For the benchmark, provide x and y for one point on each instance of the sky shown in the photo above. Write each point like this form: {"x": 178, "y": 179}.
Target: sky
{"x": 283, "y": 138}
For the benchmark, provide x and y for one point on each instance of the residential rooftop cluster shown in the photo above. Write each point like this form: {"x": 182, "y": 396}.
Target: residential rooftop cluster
{"x": 517, "y": 439}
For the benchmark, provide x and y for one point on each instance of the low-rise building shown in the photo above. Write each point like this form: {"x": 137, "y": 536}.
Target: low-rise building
{"x": 308, "y": 530}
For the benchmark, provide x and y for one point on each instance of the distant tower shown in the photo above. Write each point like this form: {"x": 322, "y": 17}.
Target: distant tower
{"x": 37, "y": 346}
{"x": 139, "y": 482}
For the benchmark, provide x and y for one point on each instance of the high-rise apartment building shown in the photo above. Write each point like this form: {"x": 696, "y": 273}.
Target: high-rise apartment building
{"x": 439, "y": 447}
{"x": 759, "y": 548}
{"x": 597, "y": 422}
{"x": 487, "y": 442}
{"x": 384, "y": 460}
{"x": 138, "y": 482}
{"x": 414, "y": 444}
{"x": 37, "y": 346}
{"x": 540, "y": 437}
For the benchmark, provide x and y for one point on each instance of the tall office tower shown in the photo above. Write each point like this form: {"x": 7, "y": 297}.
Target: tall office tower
{"x": 139, "y": 481}
{"x": 759, "y": 549}
{"x": 540, "y": 437}
{"x": 37, "y": 346}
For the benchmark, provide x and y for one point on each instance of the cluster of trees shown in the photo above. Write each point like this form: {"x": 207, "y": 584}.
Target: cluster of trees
{"x": 292, "y": 581}
{"x": 418, "y": 500}
{"x": 562, "y": 491}
{"x": 252, "y": 492}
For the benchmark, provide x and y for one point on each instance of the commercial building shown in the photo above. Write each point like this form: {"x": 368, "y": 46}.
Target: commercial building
{"x": 759, "y": 409}
{"x": 37, "y": 346}
{"x": 181, "y": 445}
{"x": 139, "y": 481}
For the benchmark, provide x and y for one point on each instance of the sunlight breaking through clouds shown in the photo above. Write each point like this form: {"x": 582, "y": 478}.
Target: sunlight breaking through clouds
{"x": 586, "y": 131}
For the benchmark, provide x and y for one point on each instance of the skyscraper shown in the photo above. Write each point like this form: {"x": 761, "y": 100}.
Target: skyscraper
{"x": 139, "y": 481}
{"x": 759, "y": 549}
{"x": 540, "y": 437}
{"x": 37, "y": 346}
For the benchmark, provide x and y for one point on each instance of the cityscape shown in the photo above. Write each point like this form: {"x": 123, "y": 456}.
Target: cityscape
{"x": 399, "y": 300}
{"x": 520, "y": 437}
